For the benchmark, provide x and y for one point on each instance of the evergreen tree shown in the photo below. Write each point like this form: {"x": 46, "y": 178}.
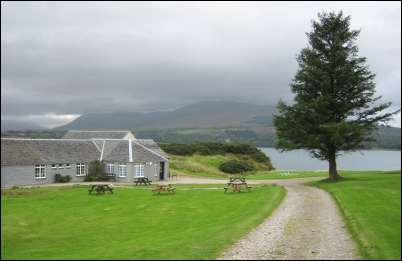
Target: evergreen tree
{"x": 335, "y": 108}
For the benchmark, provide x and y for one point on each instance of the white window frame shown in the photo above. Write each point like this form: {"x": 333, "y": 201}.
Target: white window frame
{"x": 61, "y": 166}
{"x": 68, "y": 166}
{"x": 110, "y": 169}
{"x": 40, "y": 171}
{"x": 139, "y": 170}
{"x": 122, "y": 170}
{"x": 80, "y": 169}
{"x": 54, "y": 166}
{"x": 148, "y": 163}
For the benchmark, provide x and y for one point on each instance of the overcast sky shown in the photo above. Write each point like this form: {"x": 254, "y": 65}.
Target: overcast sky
{"x": 62, "y": 59}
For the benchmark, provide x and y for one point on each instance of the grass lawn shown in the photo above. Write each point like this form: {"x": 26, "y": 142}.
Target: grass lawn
{"x": 67, "y": 223}
{"x": 371, "y": 205}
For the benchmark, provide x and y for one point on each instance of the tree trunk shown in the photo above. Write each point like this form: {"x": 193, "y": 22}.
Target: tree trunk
{"x": 333, "y": 172}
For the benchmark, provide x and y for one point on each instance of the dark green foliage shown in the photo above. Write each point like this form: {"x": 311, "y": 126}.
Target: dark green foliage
{"x": 96, "y": 171}
{"x": 214, "y": 148}
{"x": 335, "y": 108}
{"x": 234, "y": 166}
{"x": 92, "y": 178}
{"x": 177, "y": 149}
{"x": 58, "y": 178}
{"x": 245, "y": 136}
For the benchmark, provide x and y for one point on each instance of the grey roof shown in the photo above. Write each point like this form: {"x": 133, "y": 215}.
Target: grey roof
{"x": 118, "y": 150}
{"x": 151, "y": 144}
{"x": 52, "y": 151}
{"x": 141, "y": 154}
{"x": 36, "y": 151}
{"x": 76, "y": 134}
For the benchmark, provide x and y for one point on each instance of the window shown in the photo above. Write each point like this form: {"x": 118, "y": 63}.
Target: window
{"x": 80, "y": 167}
{"x": 68, "y": 166}
{"x": 53, "y": 166}
{"x": 122, "y": 170}
{"x": 149, "y": 163}
{"x": 61, "y": 166}
{"x": 40, "y": 171}
{"x": 110, "y": 169}
{"x": 139, "y": 170}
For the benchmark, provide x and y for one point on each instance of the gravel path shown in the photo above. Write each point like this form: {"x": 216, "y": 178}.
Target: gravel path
{"x": 307, "y": 225}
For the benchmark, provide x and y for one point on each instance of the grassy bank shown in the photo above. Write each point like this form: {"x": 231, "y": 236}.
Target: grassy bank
{"x": 371, "y": 205}
{"x": 67, "y": 223}
{"x": 208, "y": 166}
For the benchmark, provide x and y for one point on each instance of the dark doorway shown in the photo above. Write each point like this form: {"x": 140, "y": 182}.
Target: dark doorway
{"x": 162, "y": 170}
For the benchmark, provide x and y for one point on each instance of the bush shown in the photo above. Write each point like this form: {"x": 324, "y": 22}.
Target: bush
{"x": 177, "y": 149}
{"x": 234, "y": 166}
{"x": 96, "y": 171}
{"x": 91, "y": 178}
{"x": 209, "y": 148}
{"x": 62, "y": 179}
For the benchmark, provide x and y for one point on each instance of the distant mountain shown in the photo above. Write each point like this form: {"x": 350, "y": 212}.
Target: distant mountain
{"x": 15, "y": 125}
{"x": 207, "y": 114}
{"x": 220, "y": 121}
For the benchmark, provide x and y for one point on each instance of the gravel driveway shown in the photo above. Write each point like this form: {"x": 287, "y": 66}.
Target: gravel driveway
{"x": 307, "y": 225}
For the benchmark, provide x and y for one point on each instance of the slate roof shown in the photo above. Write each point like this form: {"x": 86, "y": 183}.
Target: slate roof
{"x": 41, "y": 151}
{"x": 118, "y": 150}
{"x": 77, "y": 134}
{"x": 16, "y": 152}
{"x": 151, "y": 144}
{"x": 141, "y": 154}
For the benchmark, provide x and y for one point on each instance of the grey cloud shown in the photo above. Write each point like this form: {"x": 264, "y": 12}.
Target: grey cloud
{"x": 63, "y": 58}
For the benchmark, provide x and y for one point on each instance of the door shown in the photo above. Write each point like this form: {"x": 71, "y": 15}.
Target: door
{"x": 162, "y": 170}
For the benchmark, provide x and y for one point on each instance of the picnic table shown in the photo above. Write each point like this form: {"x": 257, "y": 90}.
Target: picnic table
{"x": 164, "y": 188}
{"x": 237, "y": 179}
{"x": 173, "y": 175}
{"x": 237, "y": 185}
{"x": 142, "y": 180}
{"x": 101, "y": 188}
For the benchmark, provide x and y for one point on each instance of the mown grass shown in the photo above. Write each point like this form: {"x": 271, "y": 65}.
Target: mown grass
{"x": 371, "y": 206}
{"x": 67, "y": 223}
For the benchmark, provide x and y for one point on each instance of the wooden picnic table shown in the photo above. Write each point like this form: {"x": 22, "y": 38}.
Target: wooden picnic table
{"x": 142, "y": 180}
{"x": 237, "y": 186}
{"x": 237, "y": 179}
{"x": 101, "y": 188}
{"x": 164, "y": 188}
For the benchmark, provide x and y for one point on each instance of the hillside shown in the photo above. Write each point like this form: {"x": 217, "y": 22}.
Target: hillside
{"x": 213, "y": 121}
{"x": 207, "y": 114}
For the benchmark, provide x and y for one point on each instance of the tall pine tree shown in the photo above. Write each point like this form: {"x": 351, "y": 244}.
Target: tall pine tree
{"x": 335, "y": 108}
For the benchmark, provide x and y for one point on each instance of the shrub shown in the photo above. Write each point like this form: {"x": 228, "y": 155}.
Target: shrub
{"x": 67, "y": 178}
{"x": 58, "y": 178}
{"x": 96, "y": 171}
{"x": 91, "y": 178}
{"x": 234, "y": 166}
{"x": 177, "y": 149}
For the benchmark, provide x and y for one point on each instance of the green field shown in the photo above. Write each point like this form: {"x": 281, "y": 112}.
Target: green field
{"x": 371, "y": 206}
{"x": 67, "y": 223}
